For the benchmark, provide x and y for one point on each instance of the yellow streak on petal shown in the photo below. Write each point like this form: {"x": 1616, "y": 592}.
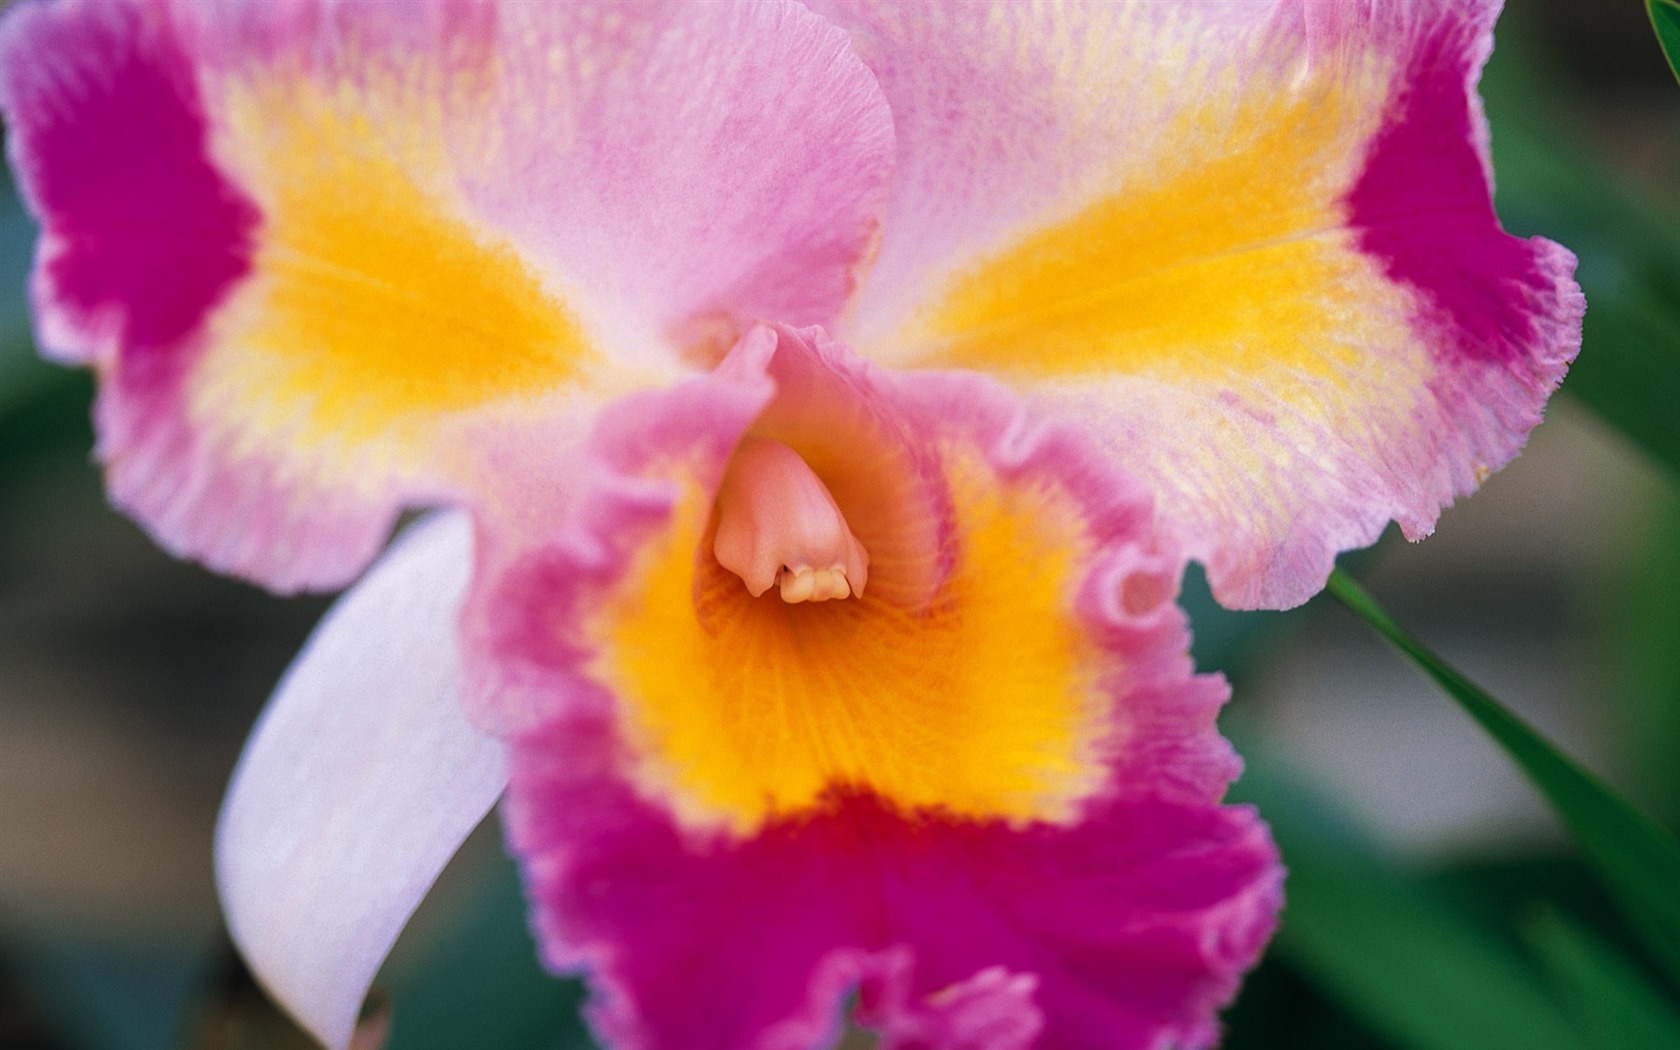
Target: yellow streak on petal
{"x": 374, "y": 307}
{"x": 983, "y": 704}
{"x": 1225, "y": 256}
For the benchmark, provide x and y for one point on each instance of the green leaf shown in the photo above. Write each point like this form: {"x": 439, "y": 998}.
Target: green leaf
{"x": 1636, "y": 624}
{"x": 1618, "y": 1004}
{"x": 1638, "y": 862}
{"x": 1665, "y": 19}
{"x": 1419, "y": 970}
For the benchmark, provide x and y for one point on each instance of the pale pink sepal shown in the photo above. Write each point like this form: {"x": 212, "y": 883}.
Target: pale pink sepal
{"x": 359, "y": 783}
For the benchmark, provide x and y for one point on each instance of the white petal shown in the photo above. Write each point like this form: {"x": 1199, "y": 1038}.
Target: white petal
{"x": 360, "y": 781}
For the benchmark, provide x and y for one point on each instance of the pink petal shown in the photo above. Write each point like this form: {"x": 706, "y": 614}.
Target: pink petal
{"x": 358, "y": 784}
{"x": 1250, "y": 244}
{"x": 1133, "y": 926}
{"x": 404, "y": 239}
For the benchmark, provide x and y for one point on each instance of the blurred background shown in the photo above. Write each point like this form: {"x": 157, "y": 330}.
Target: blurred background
{"x": 1432, "y": 895}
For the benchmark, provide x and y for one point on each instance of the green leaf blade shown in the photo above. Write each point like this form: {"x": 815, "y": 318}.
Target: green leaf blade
{"x": 1617, "y": 1004}
{"x": 1388, "y": 948}
{"x": 1638, "y": 862}
{"x": 1665, "y": 19}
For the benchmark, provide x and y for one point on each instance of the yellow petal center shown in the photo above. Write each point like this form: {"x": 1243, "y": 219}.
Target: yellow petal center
{"x": 983, "y": 701}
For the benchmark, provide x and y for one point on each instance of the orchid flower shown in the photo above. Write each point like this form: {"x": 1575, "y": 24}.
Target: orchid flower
{"x": 831, "y": 396}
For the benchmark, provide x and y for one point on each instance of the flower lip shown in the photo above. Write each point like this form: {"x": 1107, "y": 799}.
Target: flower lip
{"x": 965, "y": 681}
{"x": 778, "y": 525}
